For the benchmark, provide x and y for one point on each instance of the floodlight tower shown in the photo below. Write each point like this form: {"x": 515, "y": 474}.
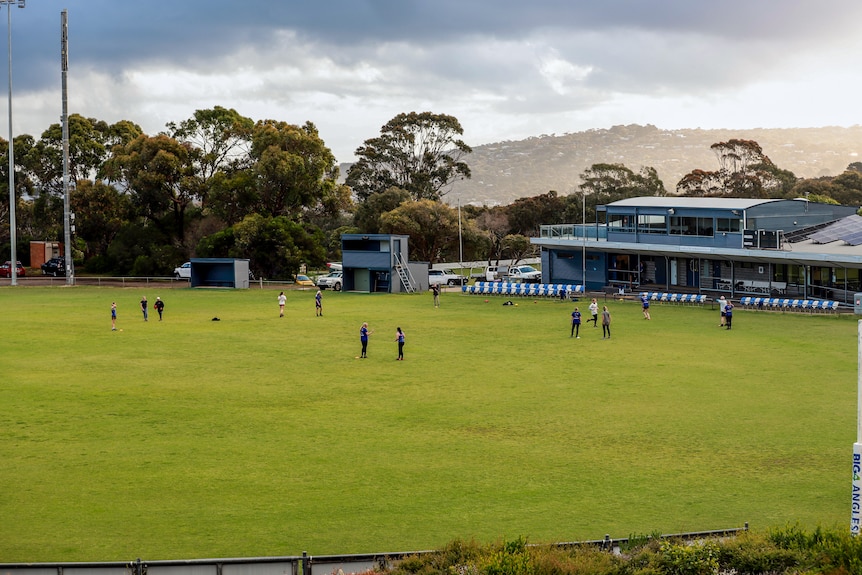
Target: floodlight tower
{"x": 13, "y": 270}
{"x": 68, "y": 217}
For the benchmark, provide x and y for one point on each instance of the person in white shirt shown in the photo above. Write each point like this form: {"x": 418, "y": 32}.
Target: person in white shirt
{"x": 282, "y": 299}
{"x": 594, "y": 312}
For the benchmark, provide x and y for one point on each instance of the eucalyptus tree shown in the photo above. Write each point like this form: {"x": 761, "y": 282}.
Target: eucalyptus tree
{"x": 431, "y": 225}
{"x": 368, "y": 213}
{"x": 418, "y": 152}
{"x": 90, "y": 142}
{"x": 744, "y": 171}
{"x": 159, "y": 174}
{"x": 619, "y": 181}
{"x": 101, "y": 211}
{"x": 219, "y": 141}
{"x": 292, "y": 167}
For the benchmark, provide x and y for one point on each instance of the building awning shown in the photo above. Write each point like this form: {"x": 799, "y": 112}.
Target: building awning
{"x": 790, "y": 257}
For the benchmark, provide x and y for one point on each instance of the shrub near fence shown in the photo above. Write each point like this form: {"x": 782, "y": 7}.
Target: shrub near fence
{"x": 398, "y": 563}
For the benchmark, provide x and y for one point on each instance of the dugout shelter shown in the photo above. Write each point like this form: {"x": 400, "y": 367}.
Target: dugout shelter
{"x": 219, "y": 272}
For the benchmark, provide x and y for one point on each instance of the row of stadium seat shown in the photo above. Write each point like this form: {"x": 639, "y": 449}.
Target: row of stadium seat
{"x": 529, "y": 290}
{"x": 788, "y": 304}
{"x": 675, "y": 297}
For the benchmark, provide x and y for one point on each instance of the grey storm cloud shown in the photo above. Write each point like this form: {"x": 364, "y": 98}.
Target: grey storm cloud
{"x": 476, "y": 59}
{"x": 112, "y": 34}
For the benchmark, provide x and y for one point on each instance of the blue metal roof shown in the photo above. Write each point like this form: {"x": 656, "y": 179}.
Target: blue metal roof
{"x": 685, "y": 202}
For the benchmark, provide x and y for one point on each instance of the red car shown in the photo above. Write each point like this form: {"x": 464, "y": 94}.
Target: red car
{"x": 6, "y": 270}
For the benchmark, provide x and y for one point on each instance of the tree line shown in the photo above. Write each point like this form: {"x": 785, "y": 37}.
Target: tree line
{"x": 219, "y": 184}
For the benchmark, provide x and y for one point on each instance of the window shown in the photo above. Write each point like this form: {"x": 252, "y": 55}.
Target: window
{"x": 691, "y": 226}
{"x": 705, "y": 227}
{"x": 728, "y": 225}
{"x": 361, "y": 245}
{"x": 648, "y": 224}
{"x": 621, "y": 223}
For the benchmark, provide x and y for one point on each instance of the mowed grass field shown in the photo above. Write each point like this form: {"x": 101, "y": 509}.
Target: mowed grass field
{"x": 260, "y": 436}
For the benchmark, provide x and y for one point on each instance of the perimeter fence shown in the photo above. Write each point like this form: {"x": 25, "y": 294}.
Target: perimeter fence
{"x": 291, "y": 565}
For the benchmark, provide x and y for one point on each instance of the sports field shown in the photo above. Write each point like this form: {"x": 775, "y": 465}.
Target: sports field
{"x": 258, "y": 436}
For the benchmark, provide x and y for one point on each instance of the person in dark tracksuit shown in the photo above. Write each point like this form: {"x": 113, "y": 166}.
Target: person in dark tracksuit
{"x": 576, "y": 324}
{"x": 160, "y": 307}
{"x": 728, "y": 314}
{"x": 399, "y": 337}
{"x": 364, "y": 332}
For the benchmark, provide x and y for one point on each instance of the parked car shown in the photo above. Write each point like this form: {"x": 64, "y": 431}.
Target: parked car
{"x": 331, "y": 280}
{"x": 54, "y": 267}
{"x": 6, "y": 270}
{"x": 334, "y": 267}
{"x": 492, "y": 273}
{"x": 302, "y": 280}
{"x": 524, "y": 274}
{"x": 184, "y": 271}
{"x": 448, "y": 277}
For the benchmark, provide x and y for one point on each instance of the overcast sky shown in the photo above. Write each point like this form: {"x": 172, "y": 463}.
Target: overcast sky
{"x": 507, "y": 70}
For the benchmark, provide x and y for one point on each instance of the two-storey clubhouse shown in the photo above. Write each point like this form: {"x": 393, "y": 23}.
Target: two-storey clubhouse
{"x": 716, "y": 246}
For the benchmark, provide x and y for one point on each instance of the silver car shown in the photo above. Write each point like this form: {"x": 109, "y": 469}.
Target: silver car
{"x": 331, "y": 280}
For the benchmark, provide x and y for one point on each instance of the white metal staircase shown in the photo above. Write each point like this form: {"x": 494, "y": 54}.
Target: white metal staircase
{"x": 404, "y": 273}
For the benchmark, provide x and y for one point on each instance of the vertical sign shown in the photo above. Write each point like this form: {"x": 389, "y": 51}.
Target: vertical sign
{"x": 856, "y": 492}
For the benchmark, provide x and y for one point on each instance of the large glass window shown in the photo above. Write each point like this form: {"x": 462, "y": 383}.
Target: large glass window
{"x": 725, "y": 225}
{"x": 705, "y": 227}
{"x": 648, "y": 224}
{"x": 621, "y": 223}
{"x": 684, "y": 226}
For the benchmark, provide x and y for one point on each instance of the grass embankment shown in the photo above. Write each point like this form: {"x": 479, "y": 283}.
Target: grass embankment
{"x": 256, "y": 435}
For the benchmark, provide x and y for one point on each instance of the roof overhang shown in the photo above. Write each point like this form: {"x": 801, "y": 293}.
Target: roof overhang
{"x": 693, "y": 252}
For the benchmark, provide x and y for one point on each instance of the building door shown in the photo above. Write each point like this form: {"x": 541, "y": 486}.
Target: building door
{"x": 692, "y": 274}
{"x": 362, "y": 280}
{"x": 673, "y": 272}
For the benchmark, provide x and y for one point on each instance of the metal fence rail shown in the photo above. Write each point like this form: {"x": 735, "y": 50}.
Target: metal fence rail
{"x": 289, "y": 565}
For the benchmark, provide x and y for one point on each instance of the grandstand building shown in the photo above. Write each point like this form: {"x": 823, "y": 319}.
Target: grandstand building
{"x": 716, "y": 246}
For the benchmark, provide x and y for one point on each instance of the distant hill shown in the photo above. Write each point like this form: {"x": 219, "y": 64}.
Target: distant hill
{"x": 505, "y": 171}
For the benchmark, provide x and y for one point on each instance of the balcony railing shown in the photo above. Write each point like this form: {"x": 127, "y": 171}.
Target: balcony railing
{"x": 574, "y": 232}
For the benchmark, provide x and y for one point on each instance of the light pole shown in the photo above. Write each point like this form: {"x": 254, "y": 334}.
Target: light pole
{"x": 584, "y": 238}
{"x": 12, "y": 232}
{"x": 68, "y": 217}
{"x": 460, "y": 240}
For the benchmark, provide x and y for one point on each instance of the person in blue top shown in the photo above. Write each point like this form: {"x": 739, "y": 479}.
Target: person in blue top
{"x": 364, "y": 332}
{"x": 399, "y": 337}
{"x": 576, "y": 324}
{"x": 645, "y": 305}
{"x": 728, "y": 314}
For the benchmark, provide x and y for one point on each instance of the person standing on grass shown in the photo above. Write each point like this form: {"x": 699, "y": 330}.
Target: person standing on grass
{"x": 435, "y": 289}
{"x": 399, "y": 337}
{"x": 606, "y": 323}
{"x": 113, "y": 316}
{"x": 144, "y": 307}
{"x": 645, "y": 305}
{"x": 282, "y": 299}
{"x": 318, "y": 303}
{"x": 160, "y": 307}
{"x": 594, "y": 312}
{"x": 722, "y": 303}
{"x": 576, "y": 324}
{"x": 364, "y": 332}
{"x": 728, "y": 314}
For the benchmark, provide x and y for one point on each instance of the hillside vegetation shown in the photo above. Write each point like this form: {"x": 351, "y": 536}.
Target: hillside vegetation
{"x": 505, "y": 171}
